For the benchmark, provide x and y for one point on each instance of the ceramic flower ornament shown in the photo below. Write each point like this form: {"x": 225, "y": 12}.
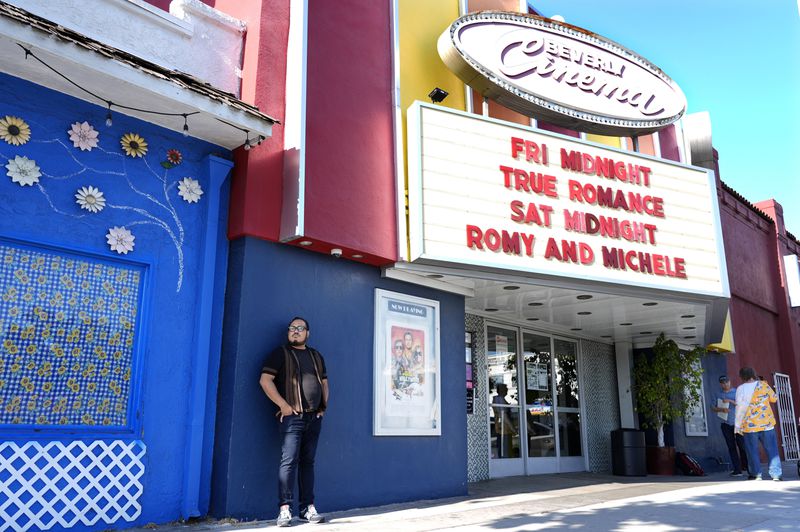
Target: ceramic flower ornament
{"x": 133, "y": 145}
{"x": 91, "y": 199}
{"x": 120, "y": 240}
{"x": 23, "y": 171}
{"x": 174, "y": 157}
{"x": 189, "y": 189}
{"x": 83, "y": 136}
{"x": 14, "y": 130}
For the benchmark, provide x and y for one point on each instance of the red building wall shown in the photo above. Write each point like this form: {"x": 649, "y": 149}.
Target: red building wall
{"x": 349, "y": 145}
{"x": 765, "y": 328}
{"x": 257, "y": 181}
{"x": 257, "y": 184}
{"x": 350, "y": 176}
{"x": 789, "y": 319}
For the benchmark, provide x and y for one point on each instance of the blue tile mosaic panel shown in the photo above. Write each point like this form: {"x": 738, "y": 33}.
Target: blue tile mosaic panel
{"x": 67, "y": 330}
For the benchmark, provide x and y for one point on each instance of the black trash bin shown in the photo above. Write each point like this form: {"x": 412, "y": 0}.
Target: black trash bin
{"x": 628, "y": 453}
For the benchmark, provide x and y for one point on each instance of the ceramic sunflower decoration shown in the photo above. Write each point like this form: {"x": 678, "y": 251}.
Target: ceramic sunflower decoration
{"x": 90, "y": 198}
{"x": 83, "y": 136}
{"x": 14, "y": 130}
{"x": 189, "y": 189}
{"x": 23, "y": 171}
{"x": 120, "y": 240}
{"x": 133, "y": 145}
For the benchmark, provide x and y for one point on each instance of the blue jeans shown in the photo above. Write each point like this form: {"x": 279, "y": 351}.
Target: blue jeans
{"x": 770, "y": 443}
{"x": 736, "y": 449}
{"x": 299, "y": 435}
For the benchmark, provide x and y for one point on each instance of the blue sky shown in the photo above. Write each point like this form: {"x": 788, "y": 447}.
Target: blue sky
{"x": 740, "y": 61}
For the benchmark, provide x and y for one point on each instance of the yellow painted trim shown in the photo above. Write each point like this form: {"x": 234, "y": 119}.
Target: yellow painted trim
{"x": 614, "y": 142}
{"x": 420, "y": 23}
{"x": 725, "y": 345}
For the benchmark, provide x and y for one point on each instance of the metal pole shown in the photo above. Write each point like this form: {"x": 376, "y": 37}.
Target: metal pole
{"x": 635, "y": 143}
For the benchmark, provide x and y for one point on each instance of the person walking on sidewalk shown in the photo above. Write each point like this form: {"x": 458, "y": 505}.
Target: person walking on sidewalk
{"x": 755, "y": 420}
{"x": 725, "y": 407}
{"x": 295, "y": 379}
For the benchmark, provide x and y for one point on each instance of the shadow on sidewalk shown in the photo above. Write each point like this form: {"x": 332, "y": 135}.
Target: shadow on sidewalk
{"x": 757, "y": 509}
{"x": 540, "y": 501}
{"x": 541, "y": 483}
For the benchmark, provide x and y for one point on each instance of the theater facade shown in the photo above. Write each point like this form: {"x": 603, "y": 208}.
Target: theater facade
{"x": 478, "y": 270}
{"x": 484, "y": 214}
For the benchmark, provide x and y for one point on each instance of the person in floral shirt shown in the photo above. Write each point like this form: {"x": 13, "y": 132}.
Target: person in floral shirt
{"x": 756, "y": 422}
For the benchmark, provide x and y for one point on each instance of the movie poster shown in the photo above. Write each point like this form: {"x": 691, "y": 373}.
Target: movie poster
{"x": 407, "y": 384}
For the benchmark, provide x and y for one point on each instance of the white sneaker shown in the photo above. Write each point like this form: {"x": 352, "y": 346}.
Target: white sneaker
{"x": 311, "y": 515}
{"x": 284, "y": 518}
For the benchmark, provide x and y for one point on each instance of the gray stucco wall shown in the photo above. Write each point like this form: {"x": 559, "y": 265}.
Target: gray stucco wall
{"x": 599, "y": 378}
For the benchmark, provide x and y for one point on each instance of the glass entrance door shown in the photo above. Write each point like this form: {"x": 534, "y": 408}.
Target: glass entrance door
{"x": 505, "y": 442}
{"x": 542, "y": 455}
{"x": 568, "y": 408}
{"x": 534, "y": 403}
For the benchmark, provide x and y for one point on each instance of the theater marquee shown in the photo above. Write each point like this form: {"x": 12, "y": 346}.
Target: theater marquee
{"x": 488, "y": 194}
{"x": 561, "y": 73}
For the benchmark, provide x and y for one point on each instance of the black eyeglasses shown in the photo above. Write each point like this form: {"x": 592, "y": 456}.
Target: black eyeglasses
{"x": 297, "y": 328}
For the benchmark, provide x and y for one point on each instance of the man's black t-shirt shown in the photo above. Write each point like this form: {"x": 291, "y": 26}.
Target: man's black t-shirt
{"x": 310, "y": 386}
{"x": 309, "y": 383}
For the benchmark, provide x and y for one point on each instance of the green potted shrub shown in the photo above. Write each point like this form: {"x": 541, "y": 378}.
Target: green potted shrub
{"x": 667, "y": 384}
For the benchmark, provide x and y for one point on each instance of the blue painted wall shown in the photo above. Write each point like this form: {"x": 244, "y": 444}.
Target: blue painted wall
{"x": 708, "y": 450}
{"x": 167, "y": 339}
{"x": 268, "y": 284}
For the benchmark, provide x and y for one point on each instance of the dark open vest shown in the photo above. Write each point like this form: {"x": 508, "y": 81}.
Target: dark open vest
{"x": 291, "y": 378}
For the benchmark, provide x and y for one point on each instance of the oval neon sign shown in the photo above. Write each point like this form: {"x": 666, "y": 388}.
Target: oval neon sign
{"x": 560, "y": 73}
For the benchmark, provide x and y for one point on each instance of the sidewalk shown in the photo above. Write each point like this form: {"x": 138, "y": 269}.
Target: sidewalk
{"x": 581, "y": 501}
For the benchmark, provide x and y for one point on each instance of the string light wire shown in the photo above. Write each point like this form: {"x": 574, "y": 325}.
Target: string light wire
{"x": 247, "y": 143}
{"x": 110, "y": 104}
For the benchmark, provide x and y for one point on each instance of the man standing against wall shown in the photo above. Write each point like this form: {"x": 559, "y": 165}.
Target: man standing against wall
{"x": 295, "y": 379}
{"x": 725, "y": 407}
{"x": 755, "y": 420}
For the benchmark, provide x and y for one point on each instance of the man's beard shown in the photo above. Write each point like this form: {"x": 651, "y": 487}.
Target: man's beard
{"x": 296, "y": 343}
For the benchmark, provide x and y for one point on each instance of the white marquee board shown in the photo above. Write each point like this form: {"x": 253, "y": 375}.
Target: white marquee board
{"x": 460, "y": 208}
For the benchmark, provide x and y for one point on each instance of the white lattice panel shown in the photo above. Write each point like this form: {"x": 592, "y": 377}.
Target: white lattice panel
{"x": 54, "y": 484}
